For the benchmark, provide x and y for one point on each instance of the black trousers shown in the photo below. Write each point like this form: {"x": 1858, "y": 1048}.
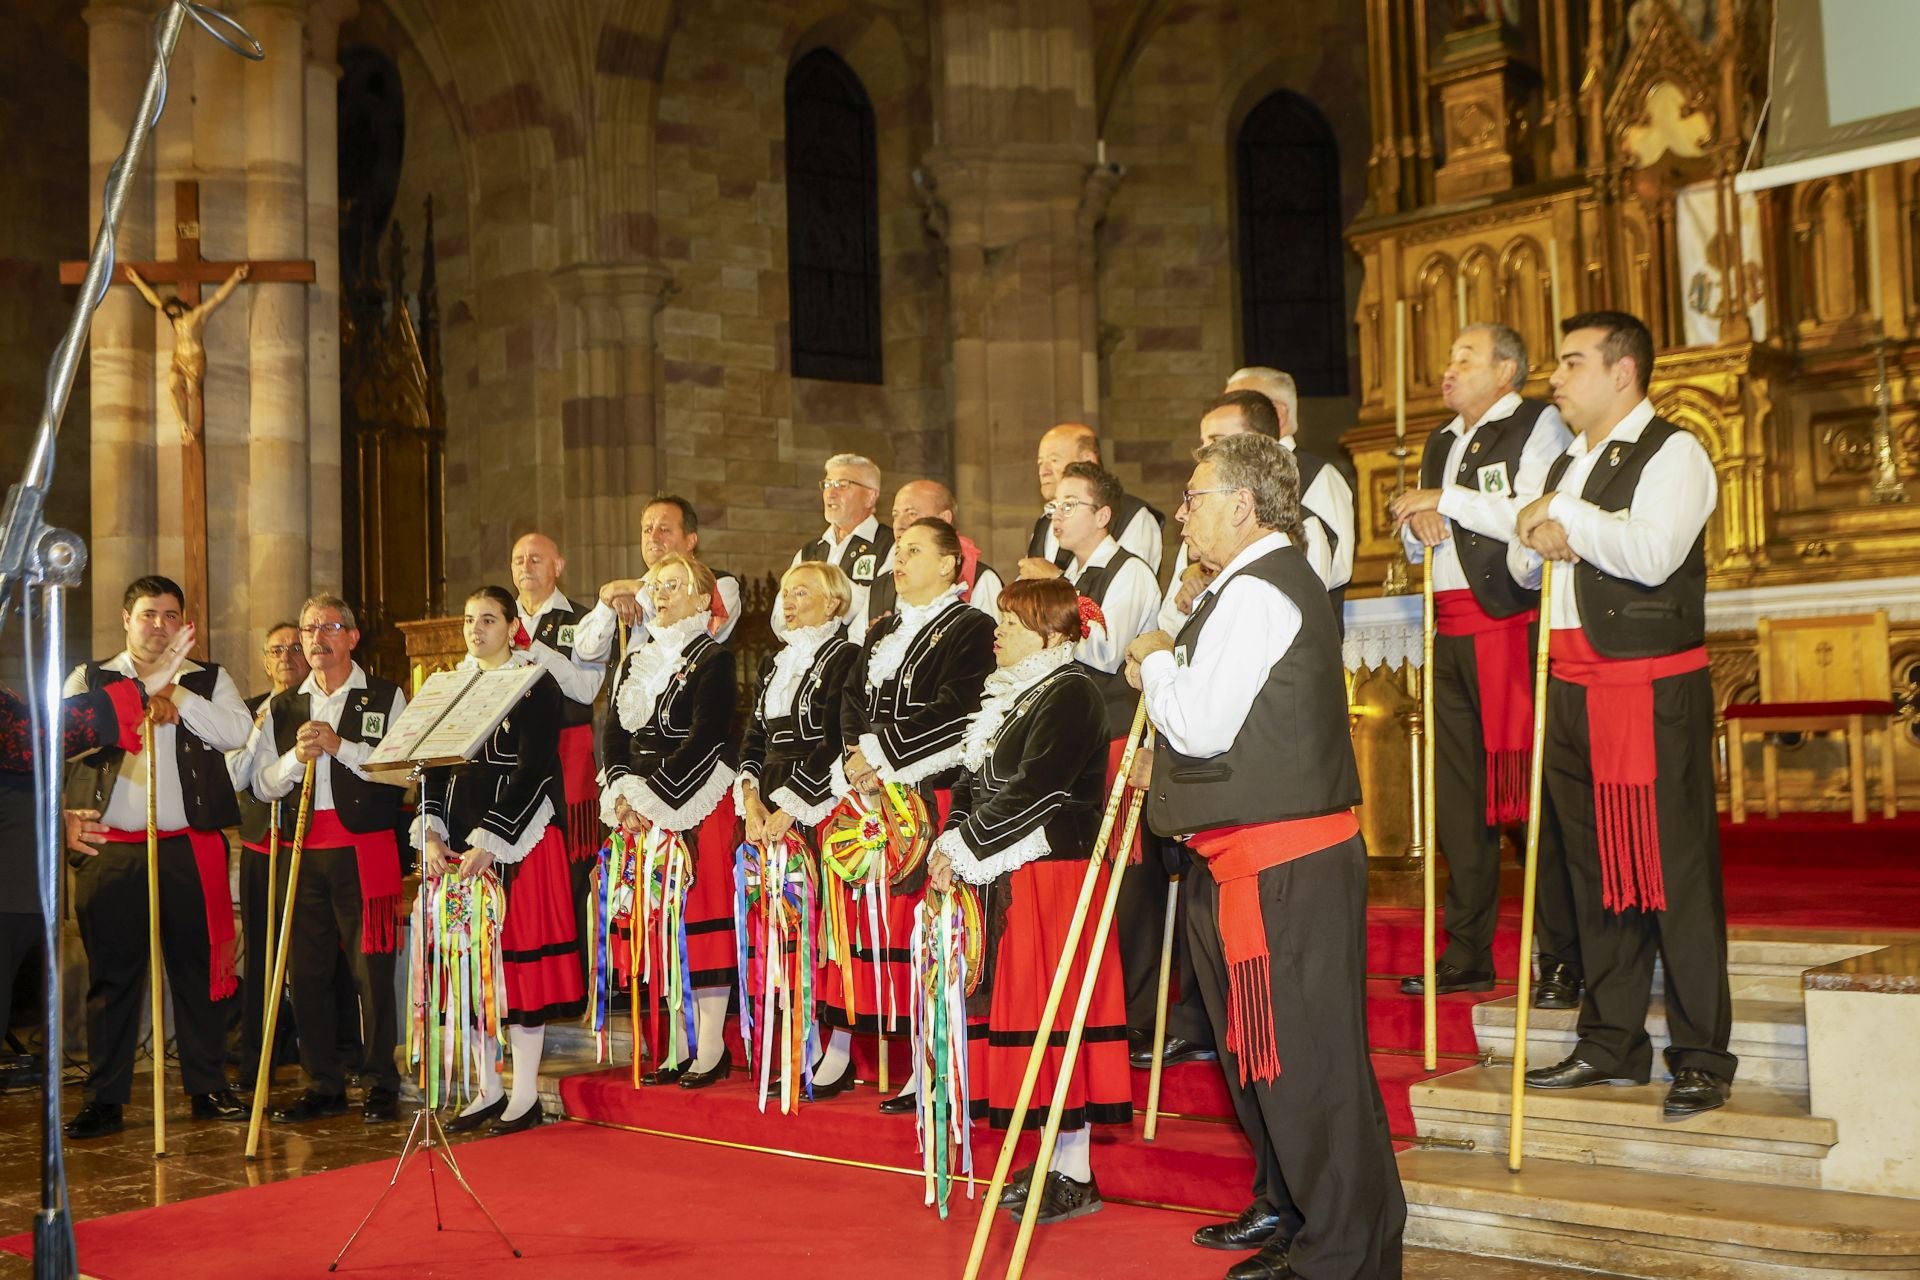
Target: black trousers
{"x": 256, "y": 971}
{"x": 1322, "y": 1151}
{"x": 1140, "y": 919}
{"x": 1617, "y": 948}
{"x": 1472, "y": 847}
{"x": 19, "y": 940}
{"x": 110, "y": 900}
{"x": 326, "y": 925}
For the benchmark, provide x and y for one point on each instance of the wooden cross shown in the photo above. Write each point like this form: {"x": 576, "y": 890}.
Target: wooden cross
{"x": 186, "y": 273}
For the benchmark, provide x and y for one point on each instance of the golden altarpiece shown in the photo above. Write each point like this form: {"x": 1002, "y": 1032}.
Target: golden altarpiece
{"x": 1534, "y": 157}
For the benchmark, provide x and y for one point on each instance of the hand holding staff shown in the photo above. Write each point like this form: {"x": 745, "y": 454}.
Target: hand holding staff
{"x": 155, "y": 975}
{"x": 1517, "y": 1123}
{"x": 264, "y": 1079}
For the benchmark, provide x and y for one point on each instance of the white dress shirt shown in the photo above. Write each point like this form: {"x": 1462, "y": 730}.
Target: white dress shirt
{"x": 1487, "y": 514}
{"x": 1327, "y": 505}
{"x": 578, "y": 676}
{"x": 857, "y": 618}
{"x": 220, "y": 721}
{"x": 1133, "y": 598}
{"x": 276, "y": 773}
{"x": 1198, "y": 697}
{"x": 1141, "y": 536}
{"x": 594, "y": 635}
{"x": 1643, "y": 543}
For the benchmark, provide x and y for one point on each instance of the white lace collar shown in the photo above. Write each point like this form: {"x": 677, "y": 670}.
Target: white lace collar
{"x": 1004, "y": 688}
{"x": 791, "y": 665}
{"x": 518, "y": 658}
{"x": 891, "y": 649}
{"x": 652, "y": 667}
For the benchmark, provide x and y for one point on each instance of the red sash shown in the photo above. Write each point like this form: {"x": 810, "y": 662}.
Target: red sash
{"x": 1236, "y": 856}
{"x": 1625, "y": 767}
{"x": 377, "y": 854}
{"x": 1506, "y": 696}
{"x": 210, "y": 860}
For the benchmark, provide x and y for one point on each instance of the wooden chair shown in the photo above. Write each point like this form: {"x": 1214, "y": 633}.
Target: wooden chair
{"x": 1818, "y": 675}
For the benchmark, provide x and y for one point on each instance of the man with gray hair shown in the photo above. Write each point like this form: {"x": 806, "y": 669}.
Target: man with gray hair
{"x": 855, "y": 540}
{"x": 1326, "y": 499}
{"x": 1476, "y": 473}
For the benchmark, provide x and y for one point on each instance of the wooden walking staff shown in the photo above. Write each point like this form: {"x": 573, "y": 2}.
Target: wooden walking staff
{"x": 1517, "y": 1123}
{"x": 263, "y": 1079}
{"x": 1044, "y": 1032}
{"x": 1160, "y": 1011}
{"x": 1429, "y": 839}
{"x": 154, "y": 972}
{"x": 273, "y": 868}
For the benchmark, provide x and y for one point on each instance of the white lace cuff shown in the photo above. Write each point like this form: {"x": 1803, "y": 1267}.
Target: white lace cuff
{"x": 837, "y": 778}
{"x": 976, "y": 870}
{"x": 507, "y": 854}
{"x": 812, "y": 814}
{"x": 650, "y": 806}
{"x": 625, "y": 787}
{"x": 433, "y": 827}
{"x": 740, "y": 781}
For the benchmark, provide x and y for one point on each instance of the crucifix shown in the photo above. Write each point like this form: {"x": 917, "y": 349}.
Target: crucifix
{"x": 187, "y": 372}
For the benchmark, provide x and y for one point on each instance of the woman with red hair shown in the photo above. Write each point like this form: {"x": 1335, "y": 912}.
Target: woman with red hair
{"x": 1026, "y": 814}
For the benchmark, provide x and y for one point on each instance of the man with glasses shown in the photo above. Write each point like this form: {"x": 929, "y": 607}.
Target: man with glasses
{"x": 669, "y": 525}
{"x": 1136, "y": 526}
{"x": 349, "y": 891}
{"x": 855, "y": 540}
{"x": 920, "y": 500}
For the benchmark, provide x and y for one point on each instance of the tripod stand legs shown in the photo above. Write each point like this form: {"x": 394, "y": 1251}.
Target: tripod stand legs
{"x": 425, "y": 1135}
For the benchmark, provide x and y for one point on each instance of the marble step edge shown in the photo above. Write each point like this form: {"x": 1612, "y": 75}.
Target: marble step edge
{"x": 1658, "y": 1224}
{"x": 1781, "y": 1022}
{"x": 1755, "y": 1114}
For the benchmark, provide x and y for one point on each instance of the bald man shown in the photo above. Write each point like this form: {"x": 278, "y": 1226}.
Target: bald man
{"x": 1136, "y": 526}
{"x": 1326, "y": 499}
{"x": 548, "y": 621}
{"x": 916, "y": 500}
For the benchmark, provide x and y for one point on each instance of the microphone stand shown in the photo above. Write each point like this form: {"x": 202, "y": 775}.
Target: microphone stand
{"x": 38, "y": 565}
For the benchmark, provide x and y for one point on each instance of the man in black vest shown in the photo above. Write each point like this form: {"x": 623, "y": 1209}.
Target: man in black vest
{"x": 548, "y": 623}
{"x": 855, "y": 539}
{"x": 1277, "y": 919}
{"x": 929, "y": 499}
{"x": 1136, "y": 526}
{"x": 194, "y": 721}
{"x": 1326, "y": 498}
{"x": 1476, "y": 473}
{"x": 1629, "y": 748}
{"x": 349, "y": 890}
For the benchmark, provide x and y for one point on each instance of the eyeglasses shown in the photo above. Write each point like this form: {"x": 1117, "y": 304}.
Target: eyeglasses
{"x": 1066, "y": 506}
{"x": 841, "y": 486}
{"x": 1188, "y": 495}
{"x": 282, "y": 650}
{"x": 327, "y": 629}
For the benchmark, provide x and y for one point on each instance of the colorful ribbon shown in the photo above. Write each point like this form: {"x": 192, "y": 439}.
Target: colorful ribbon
{"x": 946, "y": 940}
{"x": 456, "y": 981}
{"x": 779, "y": 973}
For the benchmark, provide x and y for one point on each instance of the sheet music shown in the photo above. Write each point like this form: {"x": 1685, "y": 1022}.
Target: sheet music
{"x": 481, "y": 706}
{"x": 424, "y": 710}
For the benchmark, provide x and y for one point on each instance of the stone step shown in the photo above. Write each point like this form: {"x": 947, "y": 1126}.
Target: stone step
{"x": 1761, "y": 1135}
{"x": 1769, "y": 1036}
{"x": 1661, "y": 1226}
{"x": 1770, "y": 968}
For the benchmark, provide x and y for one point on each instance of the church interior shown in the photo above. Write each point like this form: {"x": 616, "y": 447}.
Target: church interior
{"x": 525, "y": 265}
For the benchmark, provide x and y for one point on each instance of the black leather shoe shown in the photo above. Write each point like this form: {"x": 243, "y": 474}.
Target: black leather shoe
{"x": 380, "y": 1106}
{"x": 1576, "y": 1073}
{"x": 533, "y": 1117}
{"x": 1558, "y": 988}
{"x": 901, "y": 1104}
{"x": 1448, "y": 978}
{"x": 701, "y": 1079}
{"x": 311, "y": 1106}
{"x": 665, "y": 1075}
{"x": 1695, "y": 1091}
{"x": 220, "y": 1105}
{"x": 833, "y": 1088}
{"x": 1176, "y": 1052}
{"x": 474, "y": 1119}
{"x": 1268, "y": 1264}
{"x": 1014, "y": 1194}
{"x": 1255, "y": 1228}
{"x": 96, "y": 1120}
{"x": 1062, "y": 1198}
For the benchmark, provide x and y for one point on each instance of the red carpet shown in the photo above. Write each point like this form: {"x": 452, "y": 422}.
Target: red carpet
{"x": 584, "y": 1202}
{"x": 1820, "y": 871}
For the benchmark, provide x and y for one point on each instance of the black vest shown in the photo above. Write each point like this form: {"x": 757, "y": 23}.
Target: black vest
{"x": 1123, "y": 517}
{"x": 850, "y": 556}
{"x": 1622, "y": 618}
{"x": 363, "y": 807}
{"x": 1294, "y": 756}
{"x": 206, "y": 788}
{"x": 256, "y": 815}
{"x": 1121, "y": 698}
{"x": 1484, "y": 559}
{"x": 556, "y": 632}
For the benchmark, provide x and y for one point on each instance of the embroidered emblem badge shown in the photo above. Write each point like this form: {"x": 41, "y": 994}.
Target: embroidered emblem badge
{"x": 565, "y": 637}
{"x": 373, "y": 724}
{"x": 1180, "y": 655}
{"x": 1493, "y": 479}
{"x": 864, "y": 566}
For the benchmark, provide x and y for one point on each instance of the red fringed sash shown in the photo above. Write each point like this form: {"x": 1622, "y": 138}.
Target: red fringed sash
{"x": 210, "y": 860}
{"x": 1236, "y": 856}
{"x": 582, "y": 795}
{"x": 377, "y": 855}
{"x": 1501, "y": 665}
{"x": 1625, "y": 767}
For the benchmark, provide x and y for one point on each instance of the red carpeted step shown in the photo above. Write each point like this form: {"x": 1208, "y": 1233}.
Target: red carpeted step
{"x": 1821, "y": 871}
{"x": 1190, "y": 1089}
{"x": 1394, "y": 1019}
{"x": 1395, "y": 937}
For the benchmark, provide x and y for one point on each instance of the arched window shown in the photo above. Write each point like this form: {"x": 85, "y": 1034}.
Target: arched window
{"x": 833, "y": 223}
{"x": 1293, "y": 297}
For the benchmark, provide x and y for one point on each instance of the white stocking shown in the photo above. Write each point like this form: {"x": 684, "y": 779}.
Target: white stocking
{"x": 710, "y": 1026}
{"x": 1073, "y": 1155}
{"x": 526, "y": 1043}
{"x": 485, "y": 1075}
{"x": 836, "y": 1059}
{"x": 912, "y": 1086}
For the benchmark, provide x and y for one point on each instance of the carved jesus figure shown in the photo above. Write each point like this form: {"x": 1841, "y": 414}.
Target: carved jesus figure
{"x": 187, "y": 376}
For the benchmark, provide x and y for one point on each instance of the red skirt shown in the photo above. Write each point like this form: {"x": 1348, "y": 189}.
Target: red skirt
{"x": 892, "y": 953}
{"x": 583, "y": 831}
{"x": 712, "y": 960}
{"x": 1101, "y": 1090}
{"x": 538, "y": 938}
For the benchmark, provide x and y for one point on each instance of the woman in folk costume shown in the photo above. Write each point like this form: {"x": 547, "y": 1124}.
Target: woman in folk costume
{"x": 1026, "y": 814}
{"x": 505, "y": 809}
{"x": 916, "y": 681}
{"x": 668, "y": 760}
{"x": 786, "y": 762}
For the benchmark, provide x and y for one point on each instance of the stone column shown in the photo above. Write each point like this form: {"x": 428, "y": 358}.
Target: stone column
{"x": 121, "y": 351}
{"x": 326, "y": 563}
{"x": 278, "y": 499}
